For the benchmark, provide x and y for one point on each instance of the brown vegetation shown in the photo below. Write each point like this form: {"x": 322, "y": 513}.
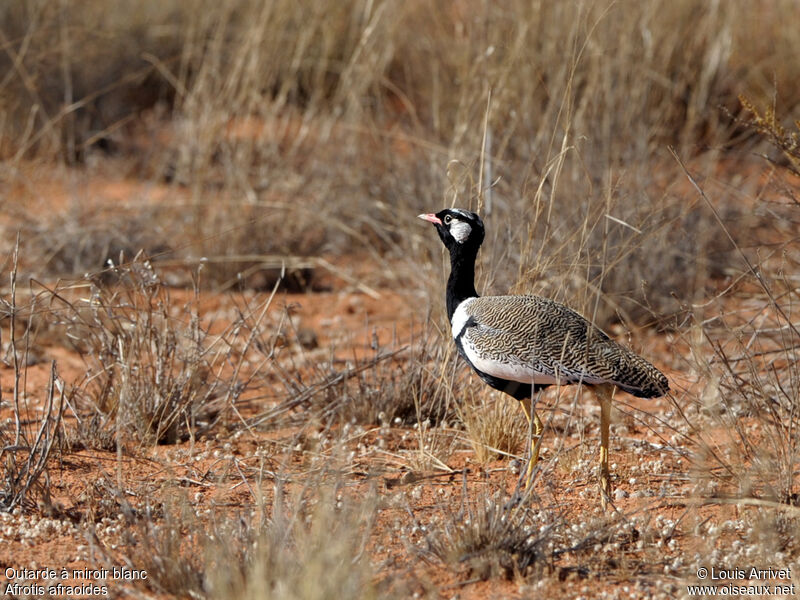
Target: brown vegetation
{"x": 225, "y": 360}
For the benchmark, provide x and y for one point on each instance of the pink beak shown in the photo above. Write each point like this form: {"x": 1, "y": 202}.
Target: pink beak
{"x": 430, "y": 217}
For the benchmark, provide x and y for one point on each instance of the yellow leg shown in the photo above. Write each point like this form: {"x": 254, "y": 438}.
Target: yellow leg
{"x": 604, "y": 395}
{"x": 536, "y": 438}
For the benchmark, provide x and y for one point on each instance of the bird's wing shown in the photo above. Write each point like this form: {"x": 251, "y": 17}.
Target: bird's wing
{"x": 529, "y": 338}
{"x": 543, "y": 337}
{"x": 514, "y": 338}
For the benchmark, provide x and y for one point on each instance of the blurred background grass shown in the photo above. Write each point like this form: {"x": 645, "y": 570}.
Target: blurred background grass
{"x": 304, "y": 128}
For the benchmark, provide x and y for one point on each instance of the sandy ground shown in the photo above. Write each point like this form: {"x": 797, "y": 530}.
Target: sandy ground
{"x": 419, "y": 478}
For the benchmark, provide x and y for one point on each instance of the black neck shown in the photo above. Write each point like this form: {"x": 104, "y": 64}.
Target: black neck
{"x": 461, "y": 283}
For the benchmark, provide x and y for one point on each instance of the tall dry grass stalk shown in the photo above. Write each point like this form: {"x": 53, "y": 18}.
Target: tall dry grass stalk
{"x": 299, "y": 128}
{"x": 25, "y": 451}
{"x": 750, "y": 358}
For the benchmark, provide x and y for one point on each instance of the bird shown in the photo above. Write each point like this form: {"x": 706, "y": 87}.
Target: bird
{"x": 521, "y": 344}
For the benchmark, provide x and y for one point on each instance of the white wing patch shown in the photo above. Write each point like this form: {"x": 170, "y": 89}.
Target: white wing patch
{"x": 460, "y": 317}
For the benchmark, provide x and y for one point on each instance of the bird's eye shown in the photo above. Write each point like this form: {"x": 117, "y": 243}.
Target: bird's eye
{"x": 447, "y": 219}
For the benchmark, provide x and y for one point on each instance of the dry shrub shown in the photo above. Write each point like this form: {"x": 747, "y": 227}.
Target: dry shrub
{"x": 750, "y": 360}
{"x": 235, "y": 248}
{"x": 26, "y": 452}
{"x": 79, "y": 72}
{"x": 25, "y": 449}
{"x": 251, "y": 246}
{"x": 403, "y": 389}
{"x": 310, "y": 544}
{"x": 751, "y": 405}
{"x": 743, "y": 423}
{"x": 768, "y": 126}
{"x": 494, "y": 426}
{"x": 154, "y": 373}
{"x": 488, "y": 538}
{"x": 394, "y": 385}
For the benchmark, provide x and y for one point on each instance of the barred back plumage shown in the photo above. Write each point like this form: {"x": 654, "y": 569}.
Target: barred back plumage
{"x": 553, "y": 339}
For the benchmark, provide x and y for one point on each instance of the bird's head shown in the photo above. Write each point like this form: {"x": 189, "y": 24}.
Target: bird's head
{"x": 459, "y": 229}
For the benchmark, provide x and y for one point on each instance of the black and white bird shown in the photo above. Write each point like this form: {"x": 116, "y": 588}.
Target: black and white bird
{"x": 521, "y": 344}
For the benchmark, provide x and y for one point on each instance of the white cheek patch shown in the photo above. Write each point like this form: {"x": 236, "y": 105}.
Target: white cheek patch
{"x": 460, "y": 230}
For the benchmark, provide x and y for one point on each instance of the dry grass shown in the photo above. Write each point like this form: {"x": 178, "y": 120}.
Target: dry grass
{"x": 485, "y": 539}
{"x": 750, "y": 360}
{"x": 494, "y": 426}
{"x": 488, "y": 540}
{"x": 268, "y": 135}
{"x": 285, "y": 124}
{"x": 152, "y": 375}
{"x": 27, "y": 448}
{"x": 769, "y": 126}
{"x": 304, "y": 545}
